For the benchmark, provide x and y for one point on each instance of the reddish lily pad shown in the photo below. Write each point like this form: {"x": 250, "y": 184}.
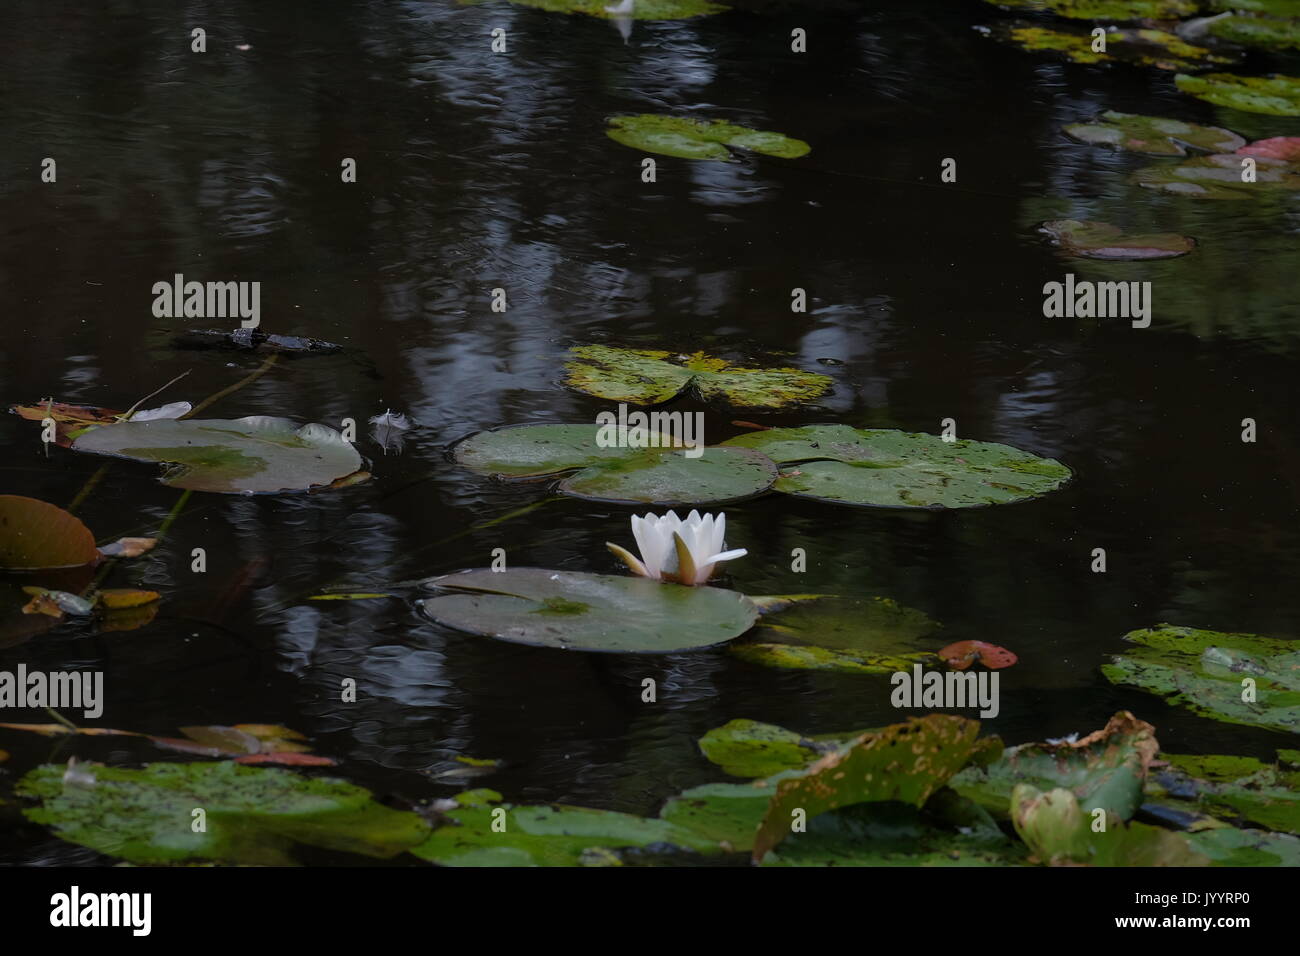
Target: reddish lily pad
{"x": 963, "y": 654}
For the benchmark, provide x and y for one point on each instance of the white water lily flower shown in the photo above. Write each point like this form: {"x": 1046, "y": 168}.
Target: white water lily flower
{"x": 676, "y": 550}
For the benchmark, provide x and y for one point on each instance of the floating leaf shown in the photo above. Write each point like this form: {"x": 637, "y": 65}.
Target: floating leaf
{"x": 1285, "y": 149}
{"x": 699, "y": 139}
{"x": 1275, "y": 95}
{"x": 904, "y": 762}
{"x": 245, "y": 455}
{"x": 65, "y": 414}
{"x": 1058, "y": 832}
{"x": 1105, "y": 769}
{"x": 748, "y": 748}
{"x": 288, "y": 759}
{"x": 253, "y": 814}
{"x": 554, "y": 835}
{"x": 119, "y": 598}
{"x": 896, "y": 469}
{"x": 655, "y": 476}
{"x": 226, "y": 739}
{"x": 589, "y": 612}
{"x": 128, "y": 619}
{"x": 644, "y": 377}
{"x": 1099, "y": 240}
{"x": 961, "y": 655}
{"x": 1155, "y": 135}
{"x": 253, "y": 340}
{"x": 1238, "y": 788}
{"x": 726, "y": 813}
{"x": 1105, "y": 9}
{"x": 1141, "y": 46}
{"x": 1207, "y": 672}
{"x": 35, "y": 535}
{"x": 1265, "y": 33}
{"x": 641, "y": 9}
{"x": 1276, "y": 8}
{"x": 799, "y": 657}
{"x": 1227, "y": 846}
{"x": 65, "y": 602}
{"x": 128, "y": 547}
{"x": 1219, "y": 177}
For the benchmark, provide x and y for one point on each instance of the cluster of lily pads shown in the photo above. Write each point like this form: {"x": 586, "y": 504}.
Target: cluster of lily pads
{"x": 1175, "y": 35}
{"x": 929, "y": 791}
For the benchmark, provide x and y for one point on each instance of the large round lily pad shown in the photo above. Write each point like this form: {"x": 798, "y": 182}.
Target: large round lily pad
{"x": 648, "y": 377}
{"x": 35, "y": 535}
{"x": 573, "y": 610}
{"x": 700, "y": 139}
{"x": 253, "y": 815}
{"x": 1219, "y": 177}
{"x": 896, "y": 469}
{"x": 1155, "y": 135}
{"x": 1275, "y": 95}
{"x": 1267, "y": 33}
{"x": 1140, "y": 46}
{"x": 662, "y": 476}
{"x": 256, "y": 455}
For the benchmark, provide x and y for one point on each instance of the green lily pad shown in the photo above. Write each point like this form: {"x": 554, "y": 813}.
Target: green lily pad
{"x": 726, "y": 813}
{"x": 1155, "y": 135}
{"x": 749, "y": 748}
{"x": 641, "y": 9}
{"x": 1099, "y": 240}
{"x": 573, "y": 610}
{"x": 888, "y": 834}
{"x": 700, "y": 139}
{"x": 1276, "y": 8}
{"x": 1105, "y": 769}
{"x": 1266, "y": 33}
{"x": 895, "y": 469}
{"x": 1228, "y": 846}
{"x": 1058, "y": 831}
{"x": 1219, "y": 177}
{"x": 1236, "y": 788}
{"x": 1105, "y": 9}
{"x": 657, "y": 476}
{"x": 905, "y": 762}
{"x": 645, "y": 377}
{"x": 861, "y": 623}
{"x": 1139, "y": 46}
{"x": 477, "y": 833}
{"x": 257, "y": 455}
{"x": 1206, "y": 671}
{"x": 1275, "y": 95}
{"x": 254, "y": 815}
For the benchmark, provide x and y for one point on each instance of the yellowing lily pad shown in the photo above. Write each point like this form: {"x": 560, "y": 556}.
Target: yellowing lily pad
{"x": 1220, "y": 177}
{"x": 1099, "y": 240}
{"x": 257, "y": 455}
{"x": 573, "y": 610}
{"x": 661, "y": 476}
{"x": 1156, "y": 135}
{"x": 646, "y": 377}
{"x": 1140, "y": 46}
{"x": 1235, "y": 678}
{"x": 1275, "y": 95}
{"x": 35, "y": 535}
{"x": 700, "y": 139}
{"x": 895, "y": 469}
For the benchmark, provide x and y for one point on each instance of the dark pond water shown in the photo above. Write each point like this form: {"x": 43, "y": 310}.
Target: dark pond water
{"x": 478, "y": 171}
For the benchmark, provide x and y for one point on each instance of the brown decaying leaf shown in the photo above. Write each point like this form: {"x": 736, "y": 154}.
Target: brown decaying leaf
{"x": 128, "y": 619}
{"x": 291, "y": 759}
{"x": 963, "y": 654}
{"x": 43, "y": 603}
{"x": 35, "y": 535}
{"x": 120, "y": 598}
{"x": 58, "y": 730}
{"x": 63, "y": 413}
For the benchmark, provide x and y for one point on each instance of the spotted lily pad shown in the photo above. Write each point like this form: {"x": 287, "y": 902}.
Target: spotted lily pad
{"x": 1266, "y": 33}
{"x": 644, "y": 377}
{"x": 1111, "y": 10}
{"x": 1275, "y": 95}
{"x": 1099, "y": 240}
{"x": 1236, "y": 678}
{"x": 1104, "y": 769}
{"x": 904, "y": 762}
{"x": 1140, "y": 46}
{"x": 252, "y": 815}
{"x": 750, "y": 748}
{"x": 257, "y": 455}
{"x": 1219, "y": 177}
{"x": 641, "y": 9}
{"x": 1155, "y": 135}
{"x": 700, "y": 139}
{"x": 573, "y": 610}
{"x": 659, "y": 476}
{"x": 895, "y": 469}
